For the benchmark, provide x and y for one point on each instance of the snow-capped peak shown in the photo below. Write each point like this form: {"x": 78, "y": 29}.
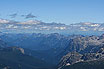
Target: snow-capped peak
{"x": 4, "y": 21}
{"x": 30, "y": 22}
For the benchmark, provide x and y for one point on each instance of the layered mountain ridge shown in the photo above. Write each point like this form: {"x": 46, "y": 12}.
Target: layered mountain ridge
{"x": 66, "y": 51}
{"x": 83, "y": 49}
{"x": 12, "y": 57}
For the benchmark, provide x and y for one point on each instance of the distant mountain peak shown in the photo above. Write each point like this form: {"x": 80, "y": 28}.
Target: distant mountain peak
{"x": 30, "y": 22}
{"x": 4, "y": 21}
{"x": 40, "y": 27}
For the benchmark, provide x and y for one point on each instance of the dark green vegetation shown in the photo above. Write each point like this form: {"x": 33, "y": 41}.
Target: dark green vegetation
{"x": 51, "y": 51}
{"x": 42, "y": 46}
{"x": 15, "y": 58}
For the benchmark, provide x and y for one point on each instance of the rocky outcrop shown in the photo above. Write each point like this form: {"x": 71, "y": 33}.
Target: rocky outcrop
{"x": 83, "y": 49}
{"x": 69, "y": 59}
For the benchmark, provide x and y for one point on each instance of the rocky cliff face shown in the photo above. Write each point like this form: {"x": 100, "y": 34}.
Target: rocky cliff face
{"x": 69, "y": 59}
{"x": 83, "y": 49}
{"x": 95, "y": 64}
{"x": 85, "y": 44}
{"x": 14, "y": 49}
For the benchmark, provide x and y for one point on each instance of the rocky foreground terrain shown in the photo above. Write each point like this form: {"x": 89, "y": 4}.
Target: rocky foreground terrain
{"x": 84, "y": 51}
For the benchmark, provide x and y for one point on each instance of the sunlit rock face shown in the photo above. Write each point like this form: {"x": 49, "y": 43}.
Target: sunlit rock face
{"x": 15, "y": 50}
{"x": 83, "y": 49}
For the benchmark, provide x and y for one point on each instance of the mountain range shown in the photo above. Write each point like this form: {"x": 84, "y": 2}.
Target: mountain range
{"x": 36, "y": 26}
{"x": 38, "y": 45}
{"x": 16, "y": 58}
{"x": 83, "y": 51}
{"x": 51, "y": 51}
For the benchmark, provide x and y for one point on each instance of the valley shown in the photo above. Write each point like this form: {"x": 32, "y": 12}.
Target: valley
{"x": 56, "y": 50}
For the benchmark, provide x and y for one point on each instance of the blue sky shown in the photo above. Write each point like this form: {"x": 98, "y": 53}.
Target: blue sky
{"x": 64, "y": 11}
